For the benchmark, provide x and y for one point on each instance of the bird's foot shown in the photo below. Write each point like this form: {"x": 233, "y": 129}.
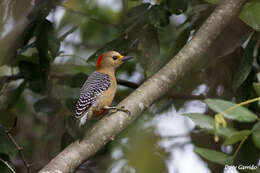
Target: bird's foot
{"x": 115, "y": 109}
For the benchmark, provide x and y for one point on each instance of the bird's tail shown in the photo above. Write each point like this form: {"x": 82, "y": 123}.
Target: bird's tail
{"x": 83, "y": 119}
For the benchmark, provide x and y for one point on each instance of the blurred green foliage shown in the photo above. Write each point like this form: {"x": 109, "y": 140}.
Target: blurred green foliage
{"x": 45, "y": 60}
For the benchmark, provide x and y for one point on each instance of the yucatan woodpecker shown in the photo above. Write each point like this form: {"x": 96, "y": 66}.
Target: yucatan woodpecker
{"x": 98, "y": 91}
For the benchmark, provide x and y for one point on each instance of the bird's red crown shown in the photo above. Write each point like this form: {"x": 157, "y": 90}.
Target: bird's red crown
{"x": 99, "y": 61}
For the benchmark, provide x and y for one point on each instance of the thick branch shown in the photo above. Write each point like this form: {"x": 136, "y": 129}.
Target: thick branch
{"x": 151, "y": 90}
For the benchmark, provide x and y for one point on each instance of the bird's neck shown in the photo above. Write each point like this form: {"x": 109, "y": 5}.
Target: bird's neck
{"x": 107, "y": 70}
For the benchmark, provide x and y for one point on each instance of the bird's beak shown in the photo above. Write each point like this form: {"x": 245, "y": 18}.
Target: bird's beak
{"x": 125, "y": 58}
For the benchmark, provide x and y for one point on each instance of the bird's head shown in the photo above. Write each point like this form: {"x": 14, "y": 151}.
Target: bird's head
{"x": 111, "y": 59}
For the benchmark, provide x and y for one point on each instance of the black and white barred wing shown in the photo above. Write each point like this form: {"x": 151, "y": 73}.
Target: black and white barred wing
{"x": 96, "y": 84}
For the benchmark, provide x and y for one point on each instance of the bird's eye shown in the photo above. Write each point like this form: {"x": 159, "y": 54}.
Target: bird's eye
{"x": 114, "y": 57}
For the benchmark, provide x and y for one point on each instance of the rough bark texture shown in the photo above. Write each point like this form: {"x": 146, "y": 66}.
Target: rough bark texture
{"x": 151, "y": 90}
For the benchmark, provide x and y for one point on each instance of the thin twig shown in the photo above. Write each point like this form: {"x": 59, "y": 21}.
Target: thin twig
{"x": 17, "y": 146}
{"x": 11, "y": 77}
{"x": 62, "y": 37}
{"x": 128, "y": 83}
{"x": 6, "y": 163}
{"x": 238, "y": 148}
{"x": 119, "y": 81}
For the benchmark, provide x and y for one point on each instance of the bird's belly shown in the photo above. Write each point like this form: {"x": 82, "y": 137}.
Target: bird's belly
{"x": 104, "y": 99}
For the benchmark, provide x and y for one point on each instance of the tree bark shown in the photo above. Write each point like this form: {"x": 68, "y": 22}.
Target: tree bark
{"x": 151, "y": 90}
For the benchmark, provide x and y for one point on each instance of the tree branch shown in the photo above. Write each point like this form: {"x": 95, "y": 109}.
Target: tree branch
{"x": 119, "y": 81}
{"x": 17, "y": 146}
{"x": 150, "y": 91}
{"x": 6, "y": 163}
{"x": 11, "y": 77}
{"x": 19, "y": 76}
{"x": 15, "y": 38}
{"x": 127, "y": 83}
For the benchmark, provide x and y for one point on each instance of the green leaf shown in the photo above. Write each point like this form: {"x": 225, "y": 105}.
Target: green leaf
{"x": 258, "y": 62}
{"x": 134, "y": 14}
{"x": 32, "y": 59}
{"x": 176, "y": 6}
{"x": 30, "y": 71}
{"x": 46, "y": 41}
{"x": 239, "y": 114}
{"x": 27, "y": 35}
{"x": 53, "y": 42}
{"x": 34, "y": 74}
{"x": 16, "y": 95}
{"x": 250, "y": 14}
{"x": 42, "y": 44}
{"x": 246, "y": 89}
{"x": 47, "y": 105}
{"x": 6, "y": 146}
{"x": 245, "y": 66}
{"x": 2, "y": 82}
{"x": 256, "y": 135}
{"x": 214, "y": 156}
{"x": 158, "y": 16}
{"x": 206, "y": 123}
{"x": 119, "y": 44}
{"x": 132, "y": 26}
{"x": 6, "y": 118}
{"x": 180, "y": 41}
{"x": 237, "y": 136}
{"x": 38, "y": 86}
{"x": 149, "y": 48}
{"x": 257, "y": 88}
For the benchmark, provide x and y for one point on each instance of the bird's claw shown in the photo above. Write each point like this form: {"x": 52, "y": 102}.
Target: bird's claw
{"x": 115, "y": 109}
{"x": 122, "y": 108}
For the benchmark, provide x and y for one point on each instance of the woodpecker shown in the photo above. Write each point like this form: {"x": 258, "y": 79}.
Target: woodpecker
{"x": 98, "y": 91}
